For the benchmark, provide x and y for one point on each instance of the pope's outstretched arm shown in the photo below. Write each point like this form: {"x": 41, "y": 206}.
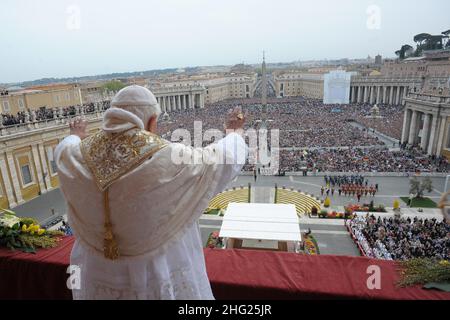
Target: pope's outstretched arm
{"x": 219, "y": 163}
{"x": 77, "y": 133}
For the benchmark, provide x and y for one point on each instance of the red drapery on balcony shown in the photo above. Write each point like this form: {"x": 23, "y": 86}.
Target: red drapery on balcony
{"x": 234, "y": 274}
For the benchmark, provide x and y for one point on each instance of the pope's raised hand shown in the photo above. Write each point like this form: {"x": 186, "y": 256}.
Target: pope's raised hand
{"x": 78, "y": 127}
{"x": 236, "y": 119}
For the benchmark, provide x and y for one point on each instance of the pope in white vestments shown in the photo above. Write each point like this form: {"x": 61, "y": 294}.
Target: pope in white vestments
{"x": 134, "y": 201}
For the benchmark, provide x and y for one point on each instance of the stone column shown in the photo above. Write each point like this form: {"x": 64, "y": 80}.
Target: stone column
{"x": 405, "y": 89}
{"x": 391, "y": 94}
{"x": 161, "y": 104}
{"x": 8, "y": 187}
{"x": 14, "y": 177}
{"x": 425, "y": 132}
{"x": 432, "y": 142}
{"x": 38, "y": 166}
{"x": 412, "y": 128}
{"x": 360, "y": 94}
{"x": 440, "y": 140}
{"x": 45, "y": 170}
{"x": 192, "y": 101}
{"x": 406, "y": 125}
{"x": 378, "y": 94}
{"x": 178, "y": 102}
{"x": 366, "y": 94}
{"x": 169, "y": 105}
{"x": 397, "y": 96}
{"x": 384, "y": 94}
{"x": 371, "y": 94}
{"x": 202, "y": 101}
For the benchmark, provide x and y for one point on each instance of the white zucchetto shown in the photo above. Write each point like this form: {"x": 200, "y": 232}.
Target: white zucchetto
{"x": 131, "y": 107}
{"x": 134, "y": 96}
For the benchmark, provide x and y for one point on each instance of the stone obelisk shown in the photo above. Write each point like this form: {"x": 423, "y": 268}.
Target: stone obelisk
{"x": 264, "y": 88}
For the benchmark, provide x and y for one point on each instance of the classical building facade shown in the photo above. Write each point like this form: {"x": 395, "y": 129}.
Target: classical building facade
{"x": 297, "y": 83}
{"x": 398, "y": 78}
{"x": 427, "y": 121}
{"x": 51, "y": 96}
{"x": 179, "y": 97}
{"x": 27, "y": 165}
{"x": 209, "y": 88}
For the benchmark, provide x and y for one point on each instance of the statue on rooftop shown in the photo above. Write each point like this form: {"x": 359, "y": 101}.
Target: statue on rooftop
{"x": 33, "y": 116}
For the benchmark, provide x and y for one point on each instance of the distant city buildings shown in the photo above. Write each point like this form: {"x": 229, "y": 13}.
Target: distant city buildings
{"x": 419, "y": 83}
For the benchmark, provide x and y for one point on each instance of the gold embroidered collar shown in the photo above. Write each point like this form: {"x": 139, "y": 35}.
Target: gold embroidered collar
{"x": 110, "y": 156}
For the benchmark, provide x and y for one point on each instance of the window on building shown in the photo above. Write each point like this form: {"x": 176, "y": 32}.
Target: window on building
{"x": 6, "y": 107}
{"x": 51, "y": 160}
{"x": 26, "y": 174}
{"x": 21, "y": 105}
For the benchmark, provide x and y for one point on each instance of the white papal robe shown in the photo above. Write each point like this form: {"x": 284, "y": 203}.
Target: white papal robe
{"x": 154, "y": 211}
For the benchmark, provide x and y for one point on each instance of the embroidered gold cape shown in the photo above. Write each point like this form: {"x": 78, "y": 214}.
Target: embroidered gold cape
{"x": 109, "y": 157}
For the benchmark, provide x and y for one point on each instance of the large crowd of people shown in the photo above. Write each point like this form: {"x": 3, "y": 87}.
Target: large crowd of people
{"x": 401, "y": 239}
{"x": 362, "y": 160}
{"x": 45, "y": 113}
{"x": 312, "y": 136}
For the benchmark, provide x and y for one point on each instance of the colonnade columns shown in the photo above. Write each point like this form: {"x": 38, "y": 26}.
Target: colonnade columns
{"x": 14, "y": 177}
{"x": 163, "y": 104}
{"x": 432, "y": 142}
{"x": 202, "y": 101}
{"x": 191, "y": 102}
{"x": 384, "y": 94}
{"x": 38, "y": 167}
{"x": 412, "y": 128}
{"x": 425, "y": 132}
{"x": 391, "y": 94}
{"x": 397, "y": 99}
{"x": 169, "y": 103}
{"x": 365, "y": 94}
{"x": 378, "y": 94}
{"x": 406, "y": 125}
{"x": 8, "y": 187}
{"x": 405, "y": 90}
{"x": 359, "y": 94}
{"x": 440, "y": 137}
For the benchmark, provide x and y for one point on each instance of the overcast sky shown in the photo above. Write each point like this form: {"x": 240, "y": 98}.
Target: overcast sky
{"x": 62, "y": 38}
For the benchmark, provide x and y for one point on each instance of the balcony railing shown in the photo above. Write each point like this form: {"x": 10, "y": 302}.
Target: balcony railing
{"x": 45, "y": 124}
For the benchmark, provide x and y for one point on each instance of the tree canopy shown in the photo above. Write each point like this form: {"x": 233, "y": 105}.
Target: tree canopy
{"x": 424, "y": 41}
{"x": 418, "y": 187}
{"x": 113, "y": 85}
